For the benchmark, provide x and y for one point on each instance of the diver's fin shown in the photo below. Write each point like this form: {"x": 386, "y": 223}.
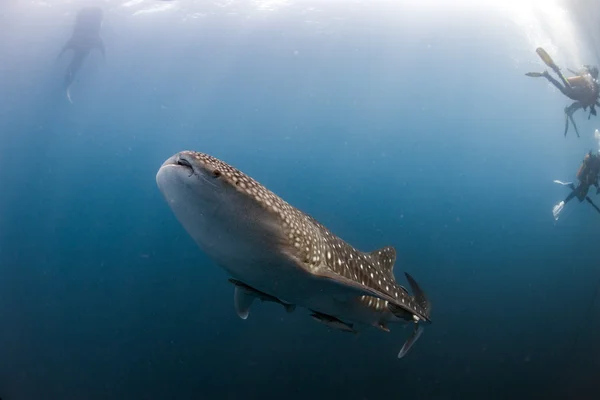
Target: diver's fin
{"x": 242, "y": 301}
{"x": 411, "y": 340}
{"x": 546, "y": 58}
{"x": 535, "y": 74}
{"x": 557, "y": 210}
{"x": 550, "y": 63}
{"x": 569, "y": 184}
{"x": 419, "y": 294}
{"x": 560, "y": 182}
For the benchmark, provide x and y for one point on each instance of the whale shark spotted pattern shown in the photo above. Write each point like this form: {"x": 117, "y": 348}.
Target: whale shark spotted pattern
{"x": 362, "y": 285}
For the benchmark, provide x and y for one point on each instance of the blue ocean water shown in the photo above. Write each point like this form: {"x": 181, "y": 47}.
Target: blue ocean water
{"x": 392, "y": 123}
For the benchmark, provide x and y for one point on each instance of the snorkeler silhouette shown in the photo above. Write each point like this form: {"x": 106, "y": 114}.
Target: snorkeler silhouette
{"x": 85, "y": 37}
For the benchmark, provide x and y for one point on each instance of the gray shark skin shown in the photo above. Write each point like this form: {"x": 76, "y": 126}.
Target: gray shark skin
{"x": 85, "y": 38}
{"x": 276, "y": 249}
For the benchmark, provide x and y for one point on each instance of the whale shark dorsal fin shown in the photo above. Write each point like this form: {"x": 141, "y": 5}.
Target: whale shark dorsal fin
{"x": 242, "y": 301}
{"x": 385, "y": 258}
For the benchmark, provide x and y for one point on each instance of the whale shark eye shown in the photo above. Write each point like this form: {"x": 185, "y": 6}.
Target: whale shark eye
{"x": 216, "y": 173}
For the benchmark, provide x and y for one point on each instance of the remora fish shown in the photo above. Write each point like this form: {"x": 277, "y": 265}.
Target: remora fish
{"x": 85, "y": 37}
{"x": 244, "y": 295}
{"x": 276, "y": 249}
{"x": 333, "y": 322}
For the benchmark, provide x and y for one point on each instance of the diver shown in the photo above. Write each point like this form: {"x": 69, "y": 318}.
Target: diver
{"x": 588, "y": 175}
{"x": 583, "y": 87}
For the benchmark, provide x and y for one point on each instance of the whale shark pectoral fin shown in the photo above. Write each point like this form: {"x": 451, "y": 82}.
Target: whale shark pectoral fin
{"x": 242, "y": 301}
{"x": 411, "y": 340}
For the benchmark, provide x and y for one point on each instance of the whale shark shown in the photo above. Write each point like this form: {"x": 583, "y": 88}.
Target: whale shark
{"x": 277, "y": 252}
{"x": 85, "y": 38}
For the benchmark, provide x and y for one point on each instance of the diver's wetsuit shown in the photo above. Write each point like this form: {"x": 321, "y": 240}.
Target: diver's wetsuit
{"x": 588, "y": 175}
{"x": 582, "y": 88}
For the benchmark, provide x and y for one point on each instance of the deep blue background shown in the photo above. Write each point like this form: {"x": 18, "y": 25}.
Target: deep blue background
{"x": 388, "y": 127}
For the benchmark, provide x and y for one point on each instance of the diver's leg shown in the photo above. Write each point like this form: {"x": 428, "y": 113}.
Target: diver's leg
{"x": 557, "y": 209}
{"x": 592, "y": 203}
{"x": 569, "y": 116}
{"x": 570, "y": 196}
{"x": 563, "y": 89}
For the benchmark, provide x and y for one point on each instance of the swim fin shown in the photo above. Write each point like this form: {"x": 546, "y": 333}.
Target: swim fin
{"x": 557, "y": 210}
{"x": 535, "y": 74}
{"x": 550, "y": 63}
{"x": 546, "y": 58}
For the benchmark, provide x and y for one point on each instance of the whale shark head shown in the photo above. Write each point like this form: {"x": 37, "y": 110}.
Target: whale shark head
{"x": 219, "y": 207}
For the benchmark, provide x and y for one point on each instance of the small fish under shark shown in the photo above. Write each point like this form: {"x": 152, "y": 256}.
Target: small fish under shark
{"x": 85, "y": 38}
{"x": 275, "y": 252}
